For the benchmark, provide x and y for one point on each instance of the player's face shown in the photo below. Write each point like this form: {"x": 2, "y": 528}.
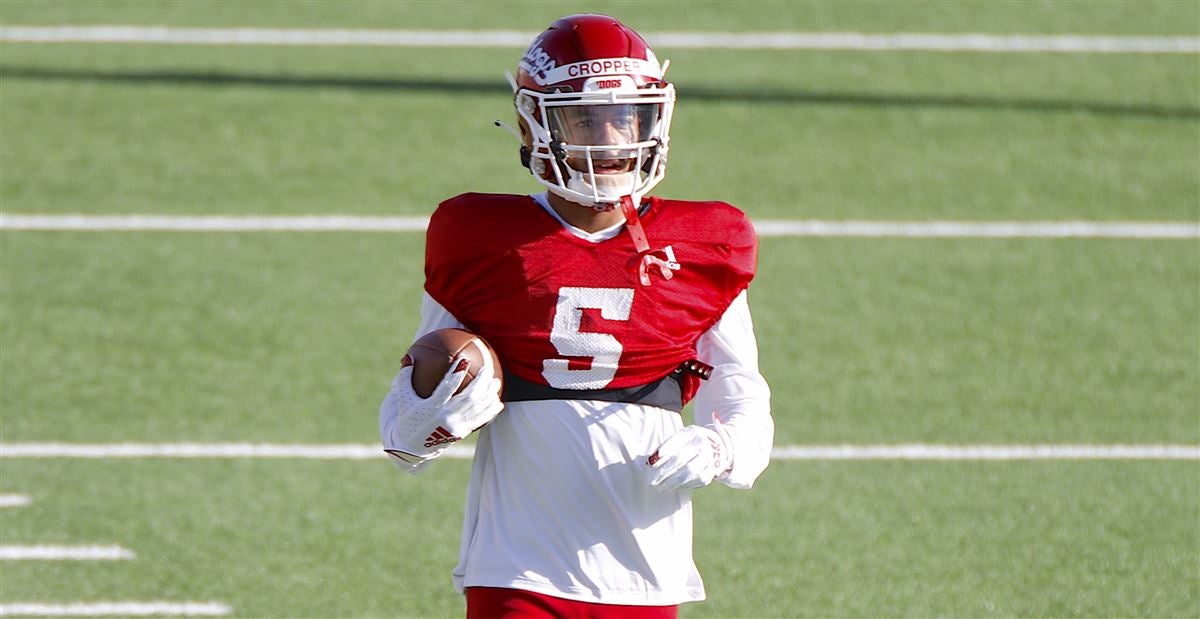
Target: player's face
{"x": 602, "y": 125}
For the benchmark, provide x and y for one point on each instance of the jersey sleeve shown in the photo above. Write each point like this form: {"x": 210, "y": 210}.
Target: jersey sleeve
{"x": 732, "y": 254}
{"x": 452, "y": 244}
{"x": 743, "y": 253}
{"x": 434, "y": 317}
{"x": 736, "y": 395}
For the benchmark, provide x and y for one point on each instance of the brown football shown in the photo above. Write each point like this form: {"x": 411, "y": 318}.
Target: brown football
{"x": 432, "y": 353}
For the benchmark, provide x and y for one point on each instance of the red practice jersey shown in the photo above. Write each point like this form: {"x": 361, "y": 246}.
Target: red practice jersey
{"x": 566, "y": 312}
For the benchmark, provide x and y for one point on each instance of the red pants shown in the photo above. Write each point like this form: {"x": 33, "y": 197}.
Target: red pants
{"x": 496, "y": 603}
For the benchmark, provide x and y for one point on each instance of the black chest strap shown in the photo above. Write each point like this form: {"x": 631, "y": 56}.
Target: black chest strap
{"x": 665, "y": 393}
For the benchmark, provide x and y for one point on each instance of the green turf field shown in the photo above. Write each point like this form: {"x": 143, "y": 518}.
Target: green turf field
{"x": 292, "y": 338}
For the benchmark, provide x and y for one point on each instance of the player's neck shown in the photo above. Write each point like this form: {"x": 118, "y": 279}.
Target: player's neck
{"x": 582, "y": 217}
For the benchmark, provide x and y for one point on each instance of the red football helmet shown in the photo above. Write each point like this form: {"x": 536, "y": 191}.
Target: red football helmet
{"x": 594, "y": 110}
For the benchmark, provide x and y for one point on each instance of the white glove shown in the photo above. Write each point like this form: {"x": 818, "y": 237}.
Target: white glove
{"x": 690, "y": 458}
{"x": 415, "y": 430}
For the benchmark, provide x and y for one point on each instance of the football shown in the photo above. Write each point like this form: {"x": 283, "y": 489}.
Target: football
{"x": 431, "y": 354}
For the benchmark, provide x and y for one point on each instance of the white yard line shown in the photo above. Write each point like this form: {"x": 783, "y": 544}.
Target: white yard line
{"x": 64, "y": 553}
{"x": 980, "y": 229}
{"x": 987, "y": 452}
{"x": 765, "y": 227}
{"x": 122, "y": 609}
{"x": 203, "y": 450}
{"x": 934, "y": 42}
{"x": 183, "y": 223}
{"x": 14, "y": 500}
{"x": 915, "y": 451}
{"x": 855, "y": 41}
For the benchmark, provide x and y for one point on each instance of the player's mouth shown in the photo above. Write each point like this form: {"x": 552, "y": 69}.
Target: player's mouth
{"x": 602, "y": 166}
{"x": 612, "y": 166}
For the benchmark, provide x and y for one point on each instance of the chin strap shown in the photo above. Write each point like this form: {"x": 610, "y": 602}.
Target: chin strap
{"x": 646, "y": 258}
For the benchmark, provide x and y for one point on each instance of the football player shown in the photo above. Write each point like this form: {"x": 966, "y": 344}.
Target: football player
{"x": 609, "y": 311}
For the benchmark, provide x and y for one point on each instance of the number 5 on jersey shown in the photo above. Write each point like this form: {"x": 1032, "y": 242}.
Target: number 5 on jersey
{"x": 603, "y": 349}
